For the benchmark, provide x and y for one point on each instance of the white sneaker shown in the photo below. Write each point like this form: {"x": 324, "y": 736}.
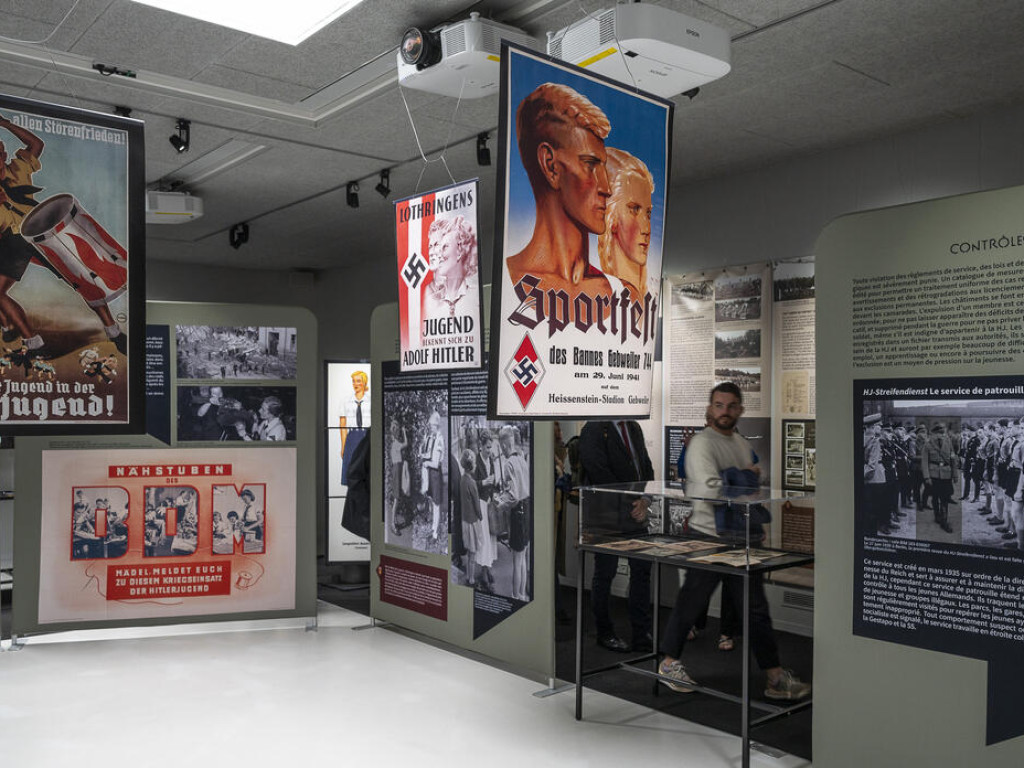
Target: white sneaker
{"x": 676, "y": 671}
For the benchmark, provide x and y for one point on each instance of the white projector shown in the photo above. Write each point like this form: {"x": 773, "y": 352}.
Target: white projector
{"x": 659, "y": 50}
{"x": 172, "y": 207}
{"x": 457, "y": 60}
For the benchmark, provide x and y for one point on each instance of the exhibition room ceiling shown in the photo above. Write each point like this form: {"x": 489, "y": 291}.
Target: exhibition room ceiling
{"x": 807, "y": 75}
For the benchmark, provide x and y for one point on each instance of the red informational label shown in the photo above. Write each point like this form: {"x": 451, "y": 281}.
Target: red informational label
{"x": 134, "y": 582}
{"x": 414, "y": 586}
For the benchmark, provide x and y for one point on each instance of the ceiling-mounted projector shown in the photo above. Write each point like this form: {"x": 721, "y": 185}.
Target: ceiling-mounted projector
{"x": 172, "y": 207}
{"x": 457, "y": 60}
{"x": 659, "y": 50}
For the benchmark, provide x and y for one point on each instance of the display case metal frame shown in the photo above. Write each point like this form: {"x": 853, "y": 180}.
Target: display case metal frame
{"x": 743, "y": 500}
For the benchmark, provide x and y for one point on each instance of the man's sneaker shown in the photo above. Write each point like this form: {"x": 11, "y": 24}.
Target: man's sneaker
{"x": 676, "y": 671}
{"x": 788, "y": 687}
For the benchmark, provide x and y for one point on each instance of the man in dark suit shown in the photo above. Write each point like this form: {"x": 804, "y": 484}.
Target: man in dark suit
{"x": 615, "y": 452}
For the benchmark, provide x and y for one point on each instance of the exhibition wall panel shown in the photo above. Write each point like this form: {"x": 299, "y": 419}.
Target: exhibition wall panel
{"x": 217, "y": 523}
{"x": 424, "y": 560}
{"x": 922, "y": 609}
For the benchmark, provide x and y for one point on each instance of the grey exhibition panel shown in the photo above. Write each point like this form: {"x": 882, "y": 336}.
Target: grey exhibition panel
{"x": 524, "y": 640}
{"x": 876, "y": 702}
{"x": 29, "y": 451}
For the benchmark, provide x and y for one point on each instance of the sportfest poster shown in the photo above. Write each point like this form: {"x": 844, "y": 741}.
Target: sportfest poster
{"x": 439, "y": 294}
{"x": 138, "y": 534}
{"x": 579, "y": 241}
{"x": 71, "y": 270}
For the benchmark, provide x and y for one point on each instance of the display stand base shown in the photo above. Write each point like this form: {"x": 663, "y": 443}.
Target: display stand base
{"x": 372, "y": 625}
{"x": 552, "y": 689}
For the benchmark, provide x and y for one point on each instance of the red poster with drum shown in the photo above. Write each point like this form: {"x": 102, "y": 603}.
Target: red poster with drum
{"x": 71, "y": 270}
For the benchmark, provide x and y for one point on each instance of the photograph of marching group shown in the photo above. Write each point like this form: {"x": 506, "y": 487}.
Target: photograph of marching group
{"x": 492, "y": 506}
{"x": 944, "y": 471}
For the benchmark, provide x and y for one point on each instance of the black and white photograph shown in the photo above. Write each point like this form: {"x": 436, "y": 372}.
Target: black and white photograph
{"x": 741, "y": 287}
{"x": 794, "y": 446}
{"x": 235, "y": 352}
{"x": 492, "y": 506}
{"x": 793, "y": 281}
{"x": 99, "y": 527}
{"x": 172, "y": 521}
{"x": 795, "y": 429}
{"x": 732, "y": 310}
{"x": 747, "y": 378}
{"x": 236, "y": 413}
{"x": 416, "y": 468}
{"x": 811, "y": 467}
{"x": 794, "y": 477}
{"x": 239, "y": 519}
{"x": 738, "y": 345}
{"x": 703, "y": 290}
{"x": 795, "y": 462}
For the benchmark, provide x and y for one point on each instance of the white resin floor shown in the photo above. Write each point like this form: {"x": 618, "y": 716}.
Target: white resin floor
{"x": 273, "y": 694}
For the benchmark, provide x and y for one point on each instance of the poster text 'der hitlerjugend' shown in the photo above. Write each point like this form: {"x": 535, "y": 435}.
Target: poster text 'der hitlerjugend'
{"x": 439, "y": 294}
{"x": 70, "y": 262}
{"x": 578, "y": 252}
{"x": 141, "y": 533}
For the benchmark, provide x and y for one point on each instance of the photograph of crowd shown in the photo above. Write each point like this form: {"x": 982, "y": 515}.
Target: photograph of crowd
{"x": 99, "y": 523}
{"x": 172, "y": 521}
{"x": 239, "y": 519}
{"x": 735, "y": 345}
{"x": 237, "y": 413}
{"x": 492, "y": 509}
{"x": 947, "y": 471}
{"x": 416, "y": 462}
{"x": 243, "y": 352}
{"x": 748, "y": 379}
{"x": 738, "y": 309}
{"x": 742, "y": 287}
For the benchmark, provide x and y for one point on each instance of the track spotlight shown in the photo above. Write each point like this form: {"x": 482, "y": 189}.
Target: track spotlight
{"x": 238, "y": 234}
{"x": 183, "y": 138}
{"x": 384, "y": 185}
{"x": 352, "y": 194}
{"x": 483, "y": 152}
{"x": 123, "y": 111}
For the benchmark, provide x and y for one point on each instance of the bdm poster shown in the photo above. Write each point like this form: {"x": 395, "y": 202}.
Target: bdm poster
{"x": 71, "y": 270}
{"x": 578, "y": 253}
{"x": 137, "y": 533}
{"x": 439, "y": 293}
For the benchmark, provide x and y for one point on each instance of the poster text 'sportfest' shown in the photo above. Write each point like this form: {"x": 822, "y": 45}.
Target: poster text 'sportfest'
{"x": 135, "y": 533}
{"x": 439, "y": 289}
{"x": 69, "y": 254}
{"x": 578, "y": 254}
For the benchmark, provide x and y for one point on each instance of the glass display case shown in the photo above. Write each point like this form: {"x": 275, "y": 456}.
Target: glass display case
{"x": 725, "y": 530}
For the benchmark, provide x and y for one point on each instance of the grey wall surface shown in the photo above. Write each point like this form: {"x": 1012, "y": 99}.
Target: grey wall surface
{"x": 28, "y": 457}
{"x": 879, "y": 703}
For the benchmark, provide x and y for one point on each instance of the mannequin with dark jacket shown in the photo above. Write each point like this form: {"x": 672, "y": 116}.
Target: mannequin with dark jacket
{"x": 608, "y": 456}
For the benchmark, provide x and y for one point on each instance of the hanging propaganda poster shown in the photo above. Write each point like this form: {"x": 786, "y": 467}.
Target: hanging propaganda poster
{"x": 137, "y": 534}
{"x": 71, "y": 270}
{"x": 439, "y": 293}
{"x": 578, "y": 249}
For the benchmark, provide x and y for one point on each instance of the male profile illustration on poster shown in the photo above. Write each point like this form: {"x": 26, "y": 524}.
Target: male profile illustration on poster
{"x": 71, "y": 257}
{"x": 579, "y": 253}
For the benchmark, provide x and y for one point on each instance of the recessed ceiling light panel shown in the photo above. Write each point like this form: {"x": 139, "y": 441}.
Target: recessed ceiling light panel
{"x": 289, "y": 24}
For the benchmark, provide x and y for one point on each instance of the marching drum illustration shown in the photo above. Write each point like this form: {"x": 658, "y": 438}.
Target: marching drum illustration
{"x": 81, "y": 251}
